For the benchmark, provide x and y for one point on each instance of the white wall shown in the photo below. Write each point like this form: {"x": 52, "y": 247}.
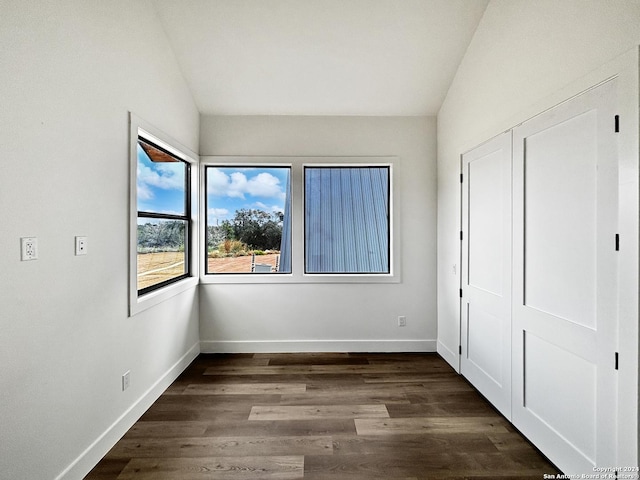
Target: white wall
{"x": 326, "y": 317}
{"x": 71, "y": 71}
{"x": 523, "y": 53}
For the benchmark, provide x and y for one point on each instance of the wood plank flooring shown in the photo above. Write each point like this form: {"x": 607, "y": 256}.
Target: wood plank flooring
{"x": 321, "y": 417}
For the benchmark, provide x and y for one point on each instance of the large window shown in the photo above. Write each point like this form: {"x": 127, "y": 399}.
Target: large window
{"x": 163, "y": 210}
{"x": 346, "y": 219}
{"x": 300, "y": 220}
{"x": 248, "y": 228}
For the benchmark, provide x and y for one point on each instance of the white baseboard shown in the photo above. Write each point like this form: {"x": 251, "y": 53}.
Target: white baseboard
{"x": 293, "y": 346}
{"x": 82, "y": 465}
{"x": 449, "y": 356}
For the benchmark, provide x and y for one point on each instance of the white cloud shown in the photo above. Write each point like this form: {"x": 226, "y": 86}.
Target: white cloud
{"x": 144, "y": 192}
{"x": 214, "y": 215}
{"x": 217, "y": 181}
{"x": 267, "y": 208}
{"x": 162, "y": 176}
{"x": 218, "y": 212}
{"x": 237, "y": 185}
{"x": 264, "y": 185}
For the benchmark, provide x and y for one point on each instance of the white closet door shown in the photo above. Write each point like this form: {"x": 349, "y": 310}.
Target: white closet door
{"x": 564, "y": 281}
{"x": 486, "y": 270}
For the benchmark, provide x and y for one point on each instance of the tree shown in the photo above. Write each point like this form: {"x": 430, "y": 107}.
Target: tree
{"x": 257, "y": 228}
{"x": 216, "y": 234}
{"x": 165, "y": 235}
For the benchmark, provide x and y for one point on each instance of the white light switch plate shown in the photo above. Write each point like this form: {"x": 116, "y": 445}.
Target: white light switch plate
{"x": 81, "y": 245}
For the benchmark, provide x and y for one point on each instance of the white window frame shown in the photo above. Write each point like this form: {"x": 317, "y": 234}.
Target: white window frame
{"x": 140, "y": 128}
{"x": 297, "y": 165}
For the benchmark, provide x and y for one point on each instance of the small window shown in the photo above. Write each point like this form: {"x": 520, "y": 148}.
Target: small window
{"x": 248, "y": 226}
{"x": 346, "y": 219}
{"x": 163, "y": 218}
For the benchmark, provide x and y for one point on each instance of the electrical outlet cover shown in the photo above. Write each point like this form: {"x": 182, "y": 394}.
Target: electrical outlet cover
{"x": 28, "y": 248}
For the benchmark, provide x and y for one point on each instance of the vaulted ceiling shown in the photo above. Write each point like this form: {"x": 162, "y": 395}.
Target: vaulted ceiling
{"x": 319, "y": 57}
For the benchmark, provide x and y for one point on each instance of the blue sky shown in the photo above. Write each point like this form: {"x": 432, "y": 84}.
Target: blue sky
{"x": 160, "y": 188}
{"x": 160, "y": 185}
{"x": 233, "y": 188}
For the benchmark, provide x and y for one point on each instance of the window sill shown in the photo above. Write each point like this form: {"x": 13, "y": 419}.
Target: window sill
{"x": 156, "y": 297}
{"x": 284, "y": 278}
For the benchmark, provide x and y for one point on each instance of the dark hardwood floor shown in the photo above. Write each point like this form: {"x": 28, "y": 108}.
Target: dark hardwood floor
{"x": 321, "y": 416}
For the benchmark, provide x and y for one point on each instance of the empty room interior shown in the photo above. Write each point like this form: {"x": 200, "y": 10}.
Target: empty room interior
{"x": 346, "y": 239}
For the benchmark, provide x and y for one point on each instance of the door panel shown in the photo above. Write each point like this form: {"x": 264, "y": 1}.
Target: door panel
{"x": 564, "y": 281}
{"x": 560, "y": 201}
{"x": 484, "y": 332}
{"x": 486, "y": 272}
{"x": 486, "y": 205}
{"x": 564, "y": 402}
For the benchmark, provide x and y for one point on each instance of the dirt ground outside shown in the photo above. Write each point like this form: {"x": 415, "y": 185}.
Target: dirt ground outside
{"x": 157, "y": 267}
{"x": 241, "y": 264}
